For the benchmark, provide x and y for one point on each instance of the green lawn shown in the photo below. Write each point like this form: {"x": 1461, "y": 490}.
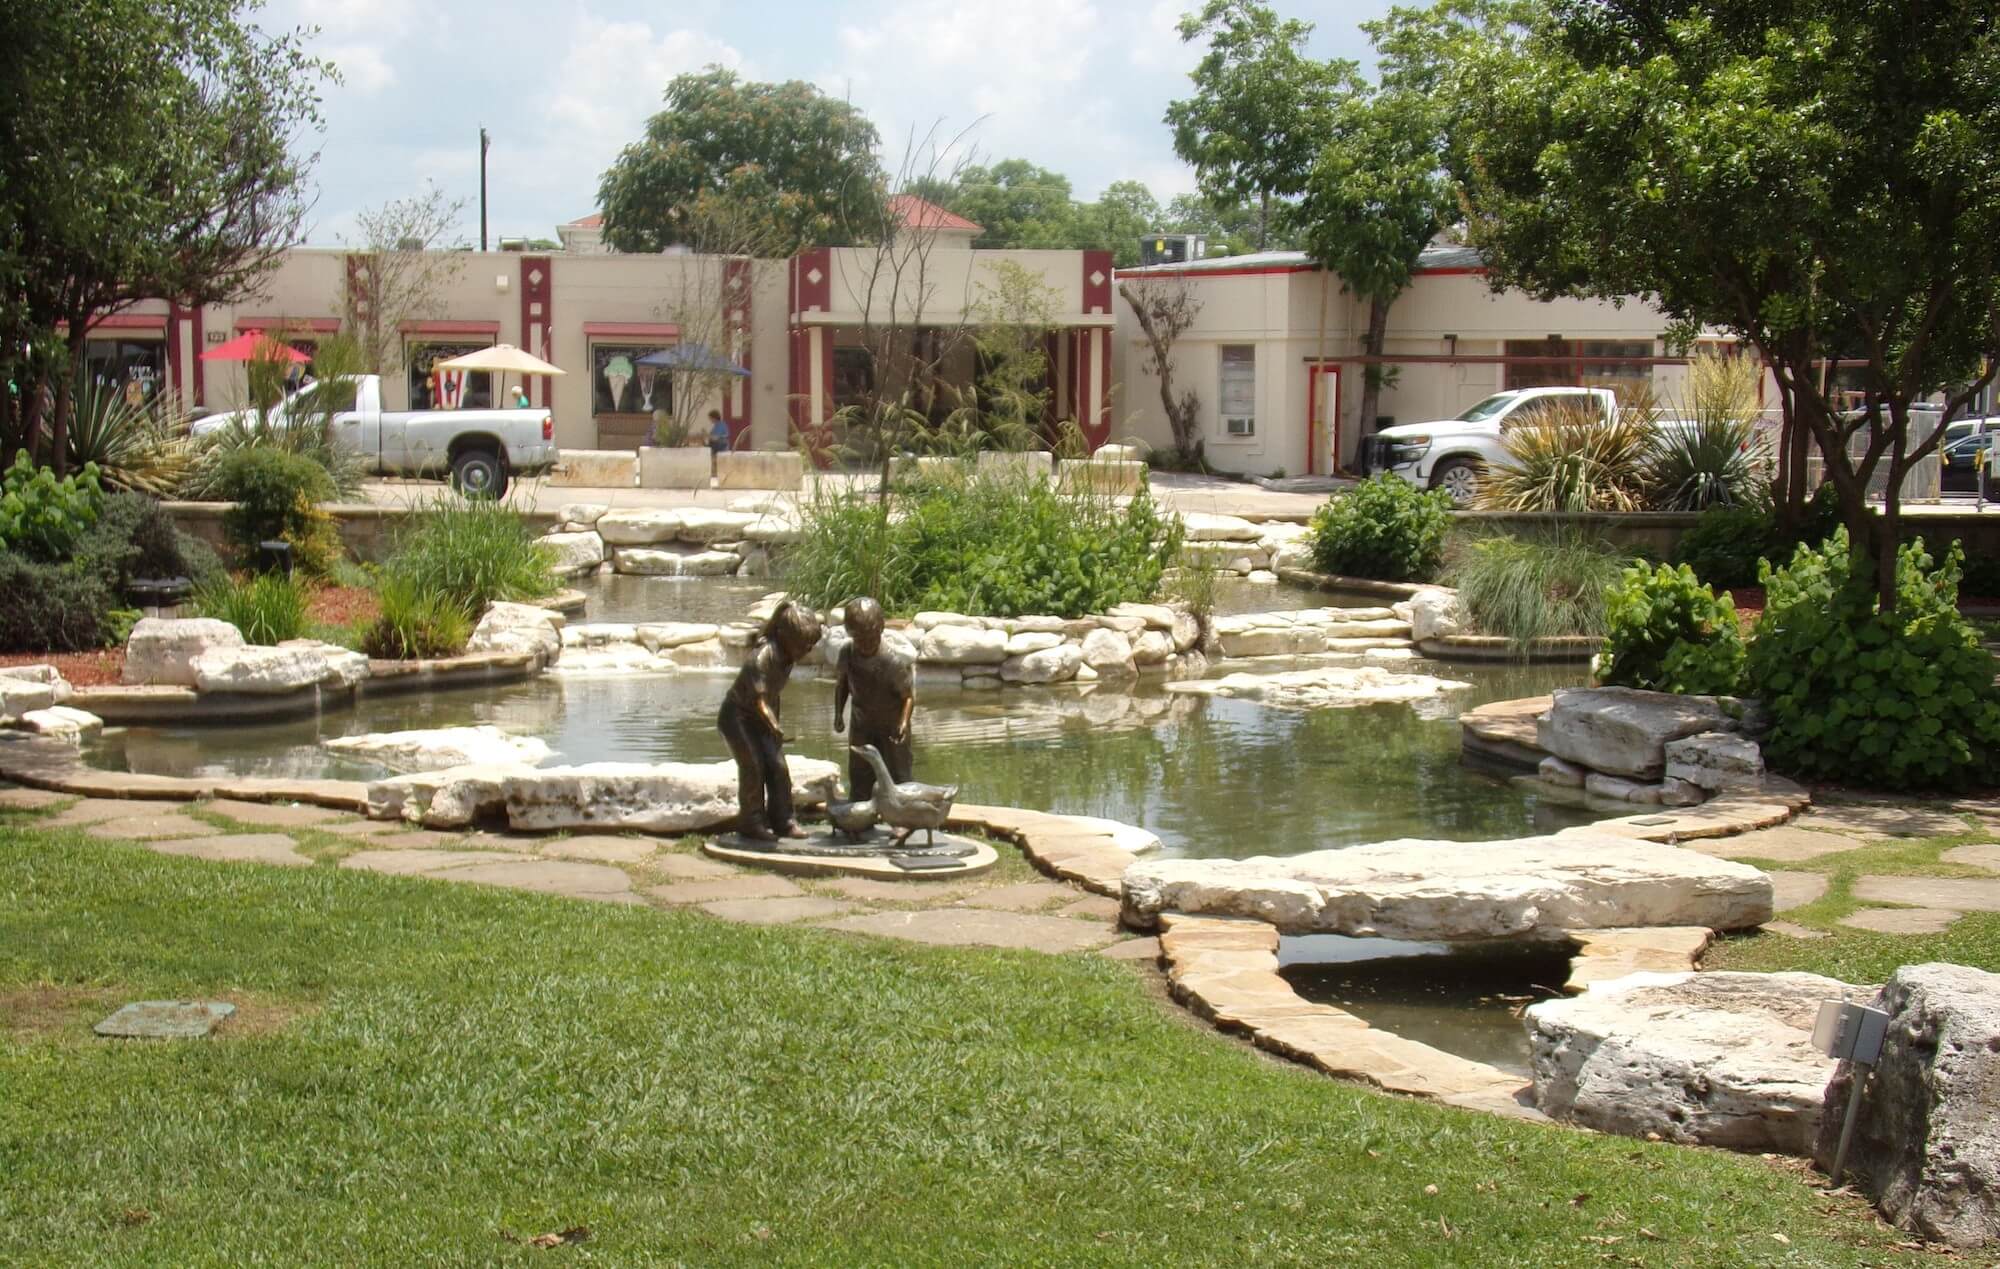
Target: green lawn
{"x": 421, "y": 1066}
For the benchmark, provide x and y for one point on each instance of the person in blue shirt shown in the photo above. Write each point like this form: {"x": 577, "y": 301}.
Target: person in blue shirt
{"x": 718, "y": 432}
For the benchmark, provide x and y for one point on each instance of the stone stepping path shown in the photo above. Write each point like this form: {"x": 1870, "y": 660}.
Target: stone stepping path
{"x": 89, "y": 811}
{"x": 1025, "y": 896}
{"x": 777, "y": 911}
{"x": 272, "y": 814}
{"x": 146, "y": 828}
{"x": 741, "y": 886}
{"x": 981, "y": 927}
{"x": 1956, "y": 894}
{"x": 1796, "y": 889}
{"x": 236, "y": 848}
{"x": 1985, "y": 856}
{"x": 1785, "y": 844}
{"x": 1901, "y": 920}
{"x": 1881, "y": 819}
{"x": 29, "y": 799}
{"x": 603, "y": 849}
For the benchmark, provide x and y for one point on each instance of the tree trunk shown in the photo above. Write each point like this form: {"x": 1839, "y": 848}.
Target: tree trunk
{"x": 1263, "y": 220}
{"x": 65, "y": 401}
{"x": 1319, "y": 355}
{"x": 1371, "y": 371}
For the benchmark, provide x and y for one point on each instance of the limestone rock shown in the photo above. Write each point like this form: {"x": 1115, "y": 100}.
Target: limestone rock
{"x": 439, "y": 748}
{"x": 1109, "y": 653}
{"x": 963, "y": 645}
{"x": 669, "y": 797}
{"x": 1055, "y": 664}
{"x": 1152, "y": 647}
{"x": 161, "y": 650}
{"x": 656, "y": 636}
{"x": 1624, "y": 731}
{"x": 1154, "y": 616}
{"x": 1716, "y": 760}
{"x": 707, "y": 524}
{"x": 344, "y": 666}
{"x": 640, "y": 527}
{"x": 584, "y": 514}
{"x": 1432, "y": 614}
{"x": 575, "y": 552}
{"x": 646, "y": 561}
{"x": 710, "y": 563}
{"x": 1927, "y": 1145}
{"x": 259, "y": 671}
{"x": 451, "y": 798}
{"x": 1125, "y": 625}
{"x": 518, "y": 628}
{"x": 1714, "y": 1059}
{"x": 47, "y": 675}
{"x": 1566, "y": 774}
{"x": 1614, "y": 789}
{"x": 1031, "y": 641}
{"x": 1203, "y": 527}
{"x": 1186, "y": 631}
{"x": 1334, "y": 688}
{"x": 927, "y": 619}
{"x": 1532, "y": 887}
{"x": 62, "y": 722}
{"x": 21, "y": 697}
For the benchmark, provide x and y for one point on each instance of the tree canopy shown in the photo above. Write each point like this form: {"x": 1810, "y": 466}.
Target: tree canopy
{"x": 146, "y": 151}
{"x": 1261, "y": 110}
{"x": 1824, "y": 180}
{"x": 808, "y": 160}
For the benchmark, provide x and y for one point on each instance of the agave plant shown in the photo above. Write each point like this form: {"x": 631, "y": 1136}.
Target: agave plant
{"x": 142, "y": 448}
{"x": 1713, "y": 456}
{"x": 1571, "y": 460}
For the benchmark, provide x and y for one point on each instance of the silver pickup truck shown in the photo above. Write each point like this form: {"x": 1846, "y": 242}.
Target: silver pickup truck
{"x": 480, "y": 450}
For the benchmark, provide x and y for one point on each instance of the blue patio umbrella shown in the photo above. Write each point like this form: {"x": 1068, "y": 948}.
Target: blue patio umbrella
{"x": 691, "y": 357}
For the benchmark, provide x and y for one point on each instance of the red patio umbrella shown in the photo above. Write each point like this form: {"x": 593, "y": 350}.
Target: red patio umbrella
{"x": 253, "y": 345}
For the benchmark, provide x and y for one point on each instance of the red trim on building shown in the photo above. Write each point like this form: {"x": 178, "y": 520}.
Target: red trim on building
{"x": 1268, "y": 270}
{"x": 302, "y": 325}
{"x": 633, "y": 330}
{"x": 1315, "y": 371}
{"x": 451, "y": 326}
{"x": 809, "y": 294}
{"x": 1097, "y": 295}
{"x": 738, "y": 294}
{"x": 538, "y": 322}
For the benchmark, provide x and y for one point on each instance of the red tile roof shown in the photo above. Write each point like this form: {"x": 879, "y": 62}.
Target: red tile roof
{"x": 919, "y": 213}
{"x": 593, "y": 221}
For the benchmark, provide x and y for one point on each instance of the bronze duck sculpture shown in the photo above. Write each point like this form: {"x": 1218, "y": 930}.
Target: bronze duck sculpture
{"x": 911, "y": 805}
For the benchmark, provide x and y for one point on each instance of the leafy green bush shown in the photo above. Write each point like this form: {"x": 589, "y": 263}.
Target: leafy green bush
{"x": 268, "y": 608}
{"x": 276, "y": 495}
{"x": 1667, "y": 632}
{"x": 1384, "y": 528}
{"x": 1727, "y": 543}
{"x": 1536, "y": 586}
{"x": 472, "y": 553}
{"x": 41, "y": 516}
{"x": 997, "y": 546}
{"x": 1901, "y": 700}
{"x": 415, "y": 622}
{"x": 51, "y": 607}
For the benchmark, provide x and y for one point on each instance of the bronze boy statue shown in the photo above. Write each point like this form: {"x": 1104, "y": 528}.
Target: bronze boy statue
{"x": 879, "y": 679}
{"x": 749, "y": 722}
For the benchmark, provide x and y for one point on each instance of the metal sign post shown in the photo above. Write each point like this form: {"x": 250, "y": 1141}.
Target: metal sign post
{"x": 1852, "y": 1033}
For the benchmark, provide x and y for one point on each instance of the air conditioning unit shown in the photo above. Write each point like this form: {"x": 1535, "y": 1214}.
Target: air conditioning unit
{"x": 1240, "y": 427}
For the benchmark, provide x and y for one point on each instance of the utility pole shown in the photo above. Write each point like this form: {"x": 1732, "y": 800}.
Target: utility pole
{"x": 485, "y": 144}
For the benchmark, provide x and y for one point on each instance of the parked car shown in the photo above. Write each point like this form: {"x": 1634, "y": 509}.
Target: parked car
{"x": 1452, "y": 454}
{"x": 479, "y": 450}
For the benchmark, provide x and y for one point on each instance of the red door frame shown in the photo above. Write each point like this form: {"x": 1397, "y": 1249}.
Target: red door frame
{"x": 1315, "y": 370}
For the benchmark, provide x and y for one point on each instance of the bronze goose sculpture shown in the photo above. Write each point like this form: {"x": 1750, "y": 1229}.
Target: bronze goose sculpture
{"x": 853, "y": 818}
{"x": 908, "y": 806}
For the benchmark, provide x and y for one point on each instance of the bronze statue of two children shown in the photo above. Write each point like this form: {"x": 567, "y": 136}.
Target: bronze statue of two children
{"x": 876, "y": 678}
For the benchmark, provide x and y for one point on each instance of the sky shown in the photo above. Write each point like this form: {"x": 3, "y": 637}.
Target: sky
{"x": 1077, "y": 86}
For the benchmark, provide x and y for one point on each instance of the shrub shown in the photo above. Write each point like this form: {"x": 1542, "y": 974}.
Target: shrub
{"x": 1667, "y": 632}
{"x": 1536, "y": 586}
{"x": 268, "y": 608}
{"x": 1727, "y": 543}
{"x": 276, "y": 495}
{"x": 993, "y": 545}
{"x": 1702, "y": 464}
{"x": 1900, "y": 700}
{"x": 472, "y": 553}
{"x": 1571, "y": 461}
{"x": 415, "y": 622}
{"x": 1384, "y": 528}
{"x": 41, "y": 516}
{"x": 53, "y": 607}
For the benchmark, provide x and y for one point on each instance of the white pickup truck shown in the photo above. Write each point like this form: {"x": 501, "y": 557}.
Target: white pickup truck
{"x": 1451, "y": 454}
{"x": 480, "y": 450}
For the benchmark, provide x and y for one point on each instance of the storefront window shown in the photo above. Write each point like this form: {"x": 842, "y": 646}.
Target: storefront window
{"x": 1237, "y": 390}
{"x": 620, "y": 385}
{"x": 853, "y": 376}
{"x": 423, "y": 358}
{"x": 136, "y": 368}
{"x": 1591, "y": 363}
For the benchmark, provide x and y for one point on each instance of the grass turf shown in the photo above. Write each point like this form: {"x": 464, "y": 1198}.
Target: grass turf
{"x": 422, "y": 1069}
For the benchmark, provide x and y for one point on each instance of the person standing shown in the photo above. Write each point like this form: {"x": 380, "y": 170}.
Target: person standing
{"x": 718, "y": 433}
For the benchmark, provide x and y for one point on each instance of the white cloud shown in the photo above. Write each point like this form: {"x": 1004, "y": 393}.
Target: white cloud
{"x": 363, "y": 69}
{"x": 377, "y": 19}
{"x": 612, "y": 75}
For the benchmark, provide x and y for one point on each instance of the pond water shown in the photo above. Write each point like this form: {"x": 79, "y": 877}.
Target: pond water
{"x": 1463, "y": 999}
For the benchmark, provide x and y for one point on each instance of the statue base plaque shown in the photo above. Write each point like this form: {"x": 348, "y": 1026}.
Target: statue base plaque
{"x": 827, "y": 852}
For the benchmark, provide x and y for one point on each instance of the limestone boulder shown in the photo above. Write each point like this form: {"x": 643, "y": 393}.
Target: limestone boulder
{"x": 647, "y": 561}
{"x": 1057, "y": 664}
{"x": 709, "y": 524}
{"x": 1926, "y": 1147}
{"x": 1186, "y": 631}
{"x": 575, "y": 552}
{"x": 1716, "y": 760}
{"x": 344, "y": 666}
{"x": 62, "y": 723}
{"x": 1624, "y": 731}
{"x": 963, "y": 645}
{"x": 161, "y": 650}
{"x": 640, "y": 526}
{"x": 1152, "y": 616}
{"x": 1032, "y": 641}
{"x": 1109, "y": 653}
{"x": 1712, "y": 1059}
{"x": 1563, "y": 774}
{"x": 657, "y": 636}
{"x": 439, "y": 748}
{"x": 1332, "y": 688}
{"x": 670, "y": 797}
{"x": 20, "y": 697}
{"x": 452, "y": 798}
{"x": 582, "y": 514}
{"x": 47, "y": 675}
{"x": 259, "y": 671}
{"x": 1432, "y": 614}
{"x": 509, "y": 627}
{"x": 1531, "y": 887}
{"x": 714, "y": 563}
{"x": 1152, "y": 647}
{"x": 1203, "y": 527}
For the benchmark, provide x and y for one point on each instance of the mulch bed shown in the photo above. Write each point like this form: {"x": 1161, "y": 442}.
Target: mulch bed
{"x": 343, "y": 605}
{"x": 83, "y": 669}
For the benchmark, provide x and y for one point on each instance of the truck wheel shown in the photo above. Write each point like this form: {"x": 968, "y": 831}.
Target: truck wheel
{"x": 1458, "y": 477}
{"x": 479, "y": 473}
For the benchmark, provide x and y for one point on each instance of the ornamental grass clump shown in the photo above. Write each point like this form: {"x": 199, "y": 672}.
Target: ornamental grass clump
{"x": 1894, "y": 700}
{"x": 472, "y": 553}
{"x": 267, "y": 608}
{"x": 1384, "y": 528}
{"x": 1667, "y": 632}
{"x": 988, "y": 545}
{"x": 1536, "y": 586}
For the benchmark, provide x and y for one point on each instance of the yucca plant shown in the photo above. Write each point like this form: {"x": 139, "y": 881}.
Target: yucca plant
{"x": 1572, "y": 460}
{"x": 142, "y": 448}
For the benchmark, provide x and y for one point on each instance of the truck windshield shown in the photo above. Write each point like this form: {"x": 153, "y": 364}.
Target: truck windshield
{"x": 1488, "y": 408}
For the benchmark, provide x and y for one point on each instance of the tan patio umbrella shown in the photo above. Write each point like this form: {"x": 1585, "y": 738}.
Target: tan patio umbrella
{"x": 501, "y": 359}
